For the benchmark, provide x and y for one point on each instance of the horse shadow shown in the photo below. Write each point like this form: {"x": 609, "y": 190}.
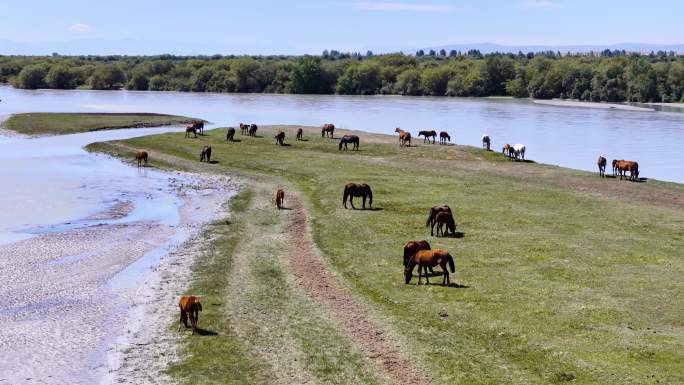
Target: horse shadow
{"x": 642, "y": 180}
{"x": 257, "y": 136}
{"x": 456, "y": 234}
{"x": 213, "y": 162}
{"x": 285, "y": 145}
{"x": 234, "y": 140}
{"x": 286, "y": 208}
{"x": 369, "y": 209}
{"x": 303, "y": 140}
{"x": 205, "y": 332}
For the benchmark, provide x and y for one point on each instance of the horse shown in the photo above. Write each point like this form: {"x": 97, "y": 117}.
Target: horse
{"x": 444, "y": 137}
{"x": 253, "y": 129}
{"x": 434, "y": 210}
{"x": 189, "y": 305}
{"x": 244, "y": 128}
{"x": 230, "y": 134}
{"x": 519, "y": 151}
{"x": 190, "y": 129}
{"x": 602, "y": 166}
{"x": 427, "y": 134}
{"x": 280, "y": 137}
{"x": 205, "y": 155}
{"x": 300, "y": 134}
{"x": 279, "y": 198}
{"x": 353, "y": 139}
{"x": 486, "y": 142}
{"x": 411, "y": 247}
{"x": 362, "y": 190}
{"x": 199, "y": 126}
{"x": 506, "y": 150}
{"x": 141, "y": 156}
{"x": 622, "y": 166}
{"x": 429, "y": 258}
{"x": 441, "y": 219}
{"x": 404, "y": 137}
{"x": 328, "y": 128}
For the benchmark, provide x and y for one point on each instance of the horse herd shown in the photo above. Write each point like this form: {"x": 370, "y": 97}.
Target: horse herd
{"x": 620, "y": 167}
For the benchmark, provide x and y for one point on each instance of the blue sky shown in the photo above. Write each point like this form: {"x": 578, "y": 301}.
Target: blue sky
{"x": 260, "y": 26}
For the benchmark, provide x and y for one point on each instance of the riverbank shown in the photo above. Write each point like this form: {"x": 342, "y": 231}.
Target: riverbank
{"x": 562, "y": 275}
{"x": 601, "y": 106}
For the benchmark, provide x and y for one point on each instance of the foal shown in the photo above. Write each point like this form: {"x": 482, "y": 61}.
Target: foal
{"x": 279, "y": 198}
{"x": 429, "y": 258}
{"x": 189, "y": 305}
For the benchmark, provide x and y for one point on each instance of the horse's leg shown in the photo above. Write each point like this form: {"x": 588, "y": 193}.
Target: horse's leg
{"x": 425, "y": 272}
{"x": 351, "y": 200}
{"x": 420, "y": 268}
{"x": 363, "y": 200}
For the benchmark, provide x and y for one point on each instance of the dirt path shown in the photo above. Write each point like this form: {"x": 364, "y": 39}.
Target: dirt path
{"x": 319, "y": 282}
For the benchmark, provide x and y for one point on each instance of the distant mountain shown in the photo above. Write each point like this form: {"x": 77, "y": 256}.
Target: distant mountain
{"x": 491, "y": 47}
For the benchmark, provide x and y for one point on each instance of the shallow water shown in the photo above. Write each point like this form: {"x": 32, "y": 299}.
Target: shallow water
{"x": 570, "y": 137}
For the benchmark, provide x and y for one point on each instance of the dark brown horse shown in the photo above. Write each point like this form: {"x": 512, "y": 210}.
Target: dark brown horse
{"x": 244, "y": 128}
{"x": 279, "y": 198}
{"x": 328, "y": 130}
{"x": 205, "y": 155}
{"x": 189, "y": 306}
{"x": 444, "y": 219}
{"x": 230, "y": 134}
{"x": 253, "y": 129}
{"x": 190, "y": 130}
{"x": 199, "y": 126}
{"x": 353, "y": 139}
{"x": 444, "y": 137}
{"x": 486, "y": 142}
{"x": 411, "y": 247}
{"x": 280, "y": 137}
{"x": 429, "y": 258}
{"x": 404, "y": 137}
{"x": 300, "y": 134}
{"x": 432, "y": 214}
{"x": 362, "y": 190}
{"x": 601, "y": 162}
{"x": 427, "y": 135}
{"x": 141, "y": 157}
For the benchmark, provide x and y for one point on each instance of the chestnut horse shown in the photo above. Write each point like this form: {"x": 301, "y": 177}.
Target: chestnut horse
{"x": 427, "y": 135}
{"x": 141, "y": 156}
{"x": 362, "y": 190}
{"x": 353, "y": 139}
{"x": 602, "y": 165}
{"x": 444, "y": 137}
{"x": 507, "y": 150}
{"x": 279, "y": 198}
{"x": 444, "y": 218}
{"x": 230, "y": 134}
{"x": 300, "y": 134}
{"x": 244, "y": 128}
{"x": 205, "y": 155}
{"x": 429, "y": 258}
{"x": 189, "y": 305}
{"x": 404, "y": 137}
{"x": 328, "y": 129}
{"x": 486, "y": 142}
{"x": 190, "y": 129}
{"x": 622, "y": 166}
{"x": 280, "y": 137}
{"x": 411, "y": 247}
{"x": 434, "y": 210}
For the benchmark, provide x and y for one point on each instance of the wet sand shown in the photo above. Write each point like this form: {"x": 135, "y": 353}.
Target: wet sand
{"x": 70, "y": 297}
{"x": 604, "y": 106}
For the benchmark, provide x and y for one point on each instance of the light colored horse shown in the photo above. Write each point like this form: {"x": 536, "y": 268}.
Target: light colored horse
{"x": 519, "y": 151}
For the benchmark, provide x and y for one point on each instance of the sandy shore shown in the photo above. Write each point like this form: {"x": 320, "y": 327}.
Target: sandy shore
{"x": 605, "y": 106}
{"x": 75, "y": 300}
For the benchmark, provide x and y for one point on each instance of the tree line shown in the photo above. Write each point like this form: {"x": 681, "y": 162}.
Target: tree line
{"x": 611, "y": 76}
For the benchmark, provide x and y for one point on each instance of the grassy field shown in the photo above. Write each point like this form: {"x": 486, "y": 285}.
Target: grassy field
{"x": 568, "y": 277}
{"x": 71, "y": 123}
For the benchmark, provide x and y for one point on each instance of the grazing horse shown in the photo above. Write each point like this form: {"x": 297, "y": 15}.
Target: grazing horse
{"x": 205, "y": 155}
{"x": 199, "y": 126}
{"x": 300, "y": 134}
{"x": 279, "y": 198}
{"x": 442, "y": 219}
{"x": 353, "y": 139}
{"x": 602, "y": 165}
{"x": 141, "y": 156}
{"x": 230, "y": 134}
{"x": 253, "y": 129}
{"x": 434, "y": 210}
{"x": 190, "y": 129}
{"x": 189, "y": 305}
{"x": 519, "y": 151}
{"x": 280, "y": 137}
{"x": 328, "y": 129}
{"x": 404, "y": 137}
{"x": 614, "y": 164}
{"x": 362, "y": 190}
{"x": 244, "y": 128}
{"x": 411, "y": 247}
{"x": 486, "y": 142}
{"x": 427, "y": 135}
{"x": 429, "y": 258}
{"x": 507, "y": 150}
{"x": 444, "y": 137}
{"x": 622, "y": 166}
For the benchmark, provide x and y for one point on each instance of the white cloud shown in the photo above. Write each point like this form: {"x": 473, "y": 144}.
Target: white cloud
{"x": 546, "y": 4}
{"x": 406, "y": 7}
{"x": 80, "y": 28}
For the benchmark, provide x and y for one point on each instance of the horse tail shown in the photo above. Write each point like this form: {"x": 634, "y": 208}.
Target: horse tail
{"x": 341, "y": 143}
{"x": 450, "y": 261}
{"x": 345, "y": 195}
{"x": 370, "y": 197}
{"x": 430, "y": 217}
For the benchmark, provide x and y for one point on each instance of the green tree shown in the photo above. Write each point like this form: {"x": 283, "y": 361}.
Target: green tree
{"x": 200, "y": 79}
{"x": 157, "y": 83}
{"x": 138, "y": 80}
{"x": 307, "y": 76}
{"x": 31, "y": 77}
{"x": 409, "y": 83}
{"x": 106, "y": 77}
{"x": 59, "y": 77}
{"x": 434, "y": 81}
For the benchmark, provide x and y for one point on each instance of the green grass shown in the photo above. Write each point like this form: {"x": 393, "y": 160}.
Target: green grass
{"x": 71, "y": 123}
{"x": 569, "y": 278}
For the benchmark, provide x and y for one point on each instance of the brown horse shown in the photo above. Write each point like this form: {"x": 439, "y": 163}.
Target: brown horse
{"x": 205, "y": 155}
{"x": 346, "y": 139}
{"x": 328, "y": 129}
{"x": 252, "y": 129}
{"x": 244, "y": 128}
{"x": 141, "y": 156}
{"x": 434, "y": 210}
{"x": 362, "y": 190}
{"x": 279, "y": 198}
{"x": 602, "y": 165}
{"x": 444, "y": 137}
{"x": 411, "y": 247}
{"x": 199, "y": 126}
{"x": 230, "y": 134}
{"x": 429, "y": 258}
{"x": 280, "y": 137}
{"x": 189, "y": 306}
{"x": 442, "y": 219}
{"x": 622, "y": 166}
{"x": 404, "y": 137}
{"x": 190, "y": 129}
{"x": 427, "y": 135}
{"x": 486, "y": 142}
{"x": 300, "y": 134}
